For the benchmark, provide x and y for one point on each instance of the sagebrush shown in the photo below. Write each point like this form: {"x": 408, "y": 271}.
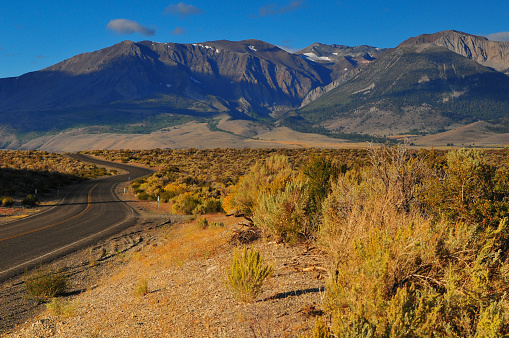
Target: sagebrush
{"x": 246, "y": 274}
{"x": 405, "y": 266}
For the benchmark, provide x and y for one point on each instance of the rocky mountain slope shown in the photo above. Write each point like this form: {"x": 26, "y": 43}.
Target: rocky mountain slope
{"x": 418, "y": 87}
{"x": 344, "y": 61}
{"x": 129, "y": 82}
{"x": 493, "y": 54}
{"x": 151, "y": 77}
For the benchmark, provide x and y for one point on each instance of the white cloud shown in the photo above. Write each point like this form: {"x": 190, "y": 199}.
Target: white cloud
{"x": 181, "y": 9}
{"x": 124, "y": 26}
{"x": 500, "y": 36}
{"x": 272, "y": 9}
{"x": 178, "y": 31}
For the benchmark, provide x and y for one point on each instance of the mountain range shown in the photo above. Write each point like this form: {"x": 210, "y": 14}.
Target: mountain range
{"x": 424, "y": 85}
{"x": 428, "y": 84}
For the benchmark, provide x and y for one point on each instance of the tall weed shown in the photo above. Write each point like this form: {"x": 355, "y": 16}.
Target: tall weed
{"x": 282, "y": 214}
{"x": 288, "y": 206}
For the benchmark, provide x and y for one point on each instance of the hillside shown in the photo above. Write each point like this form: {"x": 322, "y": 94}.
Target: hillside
{"x": 413, "y": 88}
{"x": 344, "y": 61}
{"x": 492, "y": 54}
{"x": 130, "y": 82}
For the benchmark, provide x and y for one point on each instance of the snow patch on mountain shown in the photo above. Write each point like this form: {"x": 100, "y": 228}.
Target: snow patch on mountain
{"x": 206, "y": 47}
{"x": 314, "y": 57}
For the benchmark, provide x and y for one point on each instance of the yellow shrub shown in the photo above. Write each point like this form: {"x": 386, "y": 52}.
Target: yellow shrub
{"x": 271, "y": 174}
{"x": 246, "y": 274}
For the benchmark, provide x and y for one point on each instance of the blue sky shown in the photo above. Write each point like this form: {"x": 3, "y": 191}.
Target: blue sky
{"x": 36, "y": 34}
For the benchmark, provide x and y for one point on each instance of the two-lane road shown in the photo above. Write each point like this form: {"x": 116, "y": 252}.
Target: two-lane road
{"x": 87, "y": 213}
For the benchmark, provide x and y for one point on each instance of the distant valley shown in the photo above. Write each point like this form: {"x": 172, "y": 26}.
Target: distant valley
{"x": 251, "y": 93}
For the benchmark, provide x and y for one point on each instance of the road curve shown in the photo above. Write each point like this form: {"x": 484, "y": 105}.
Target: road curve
{"x": 88, "y": 212}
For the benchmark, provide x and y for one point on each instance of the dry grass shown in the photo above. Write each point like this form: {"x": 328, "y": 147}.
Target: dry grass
{"x": 45, "y": 283}
{"x": 190, "y": 243}
{"x": 180, "y": 244}
{"x": 246, "y": 274}
{"x": 189, "y": 135}
{"x": 62, "y": 308}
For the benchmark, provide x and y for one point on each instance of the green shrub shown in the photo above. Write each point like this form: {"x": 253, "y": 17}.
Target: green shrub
{"x": 214, "y": 224}
{"x": 30, "y": 201}
{"x": 213, "y": 205}
{"x": 468, "y": 189}
{"x": 320, "y": 171}
{"x": 246, "y": 274}
{"x": 61, "y": 308}
{"x": 142, "y": 196}
{"x": 199, "y": 210}
{"x": 6, "y": 201}
{"x": 271, "y": 174}
{"x": 282, "y": 215}
{"x": 186, "y": 203}
{"x": 397, "y": 272}
{"x": 202, "y": 222}
{"x": 45, "y": 283}
{"x": 320, "y": 330}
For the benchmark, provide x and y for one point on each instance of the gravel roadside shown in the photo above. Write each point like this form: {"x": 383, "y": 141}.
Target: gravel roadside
{"x": 186, "y": 294}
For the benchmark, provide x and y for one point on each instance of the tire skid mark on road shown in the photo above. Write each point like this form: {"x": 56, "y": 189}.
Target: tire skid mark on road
{"x": 58, "y": 223}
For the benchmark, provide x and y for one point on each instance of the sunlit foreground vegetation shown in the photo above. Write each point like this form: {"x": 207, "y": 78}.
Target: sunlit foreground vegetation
{"x": 417, "y": 242}
{"x": 22, "y": 173}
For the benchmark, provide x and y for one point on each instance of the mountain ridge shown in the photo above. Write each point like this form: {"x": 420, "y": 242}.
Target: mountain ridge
{"x": 130, "y": 70}
{"x": 427, "y": 84}
{"x": 493, "y": 54}
{"x": 423, "y": 87}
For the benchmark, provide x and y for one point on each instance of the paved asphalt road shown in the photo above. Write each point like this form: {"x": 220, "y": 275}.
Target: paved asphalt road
{"x": 88, "y": 212}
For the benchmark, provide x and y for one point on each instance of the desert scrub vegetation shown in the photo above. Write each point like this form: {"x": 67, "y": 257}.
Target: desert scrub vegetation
{"x": 403, "y": 264}
{"x": 141, "y": 288}
{"x": 468, "y": 188}
{"x": 61, "y": 308}
{"x": 285, "y": 198}
{"x": 417, "y": 240}
{"x": 197, "y": 181}
{"x": 23, "y": 172}
{"x": 45, "y": 283}
{"x": 246, "y": 274}
{"x": 30, "y": 200}
{"x": 6, "y": 201}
